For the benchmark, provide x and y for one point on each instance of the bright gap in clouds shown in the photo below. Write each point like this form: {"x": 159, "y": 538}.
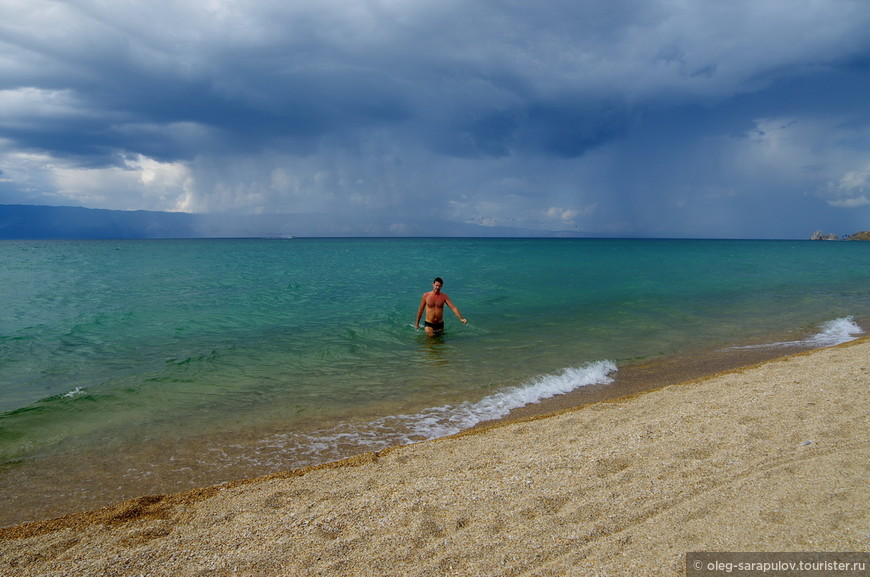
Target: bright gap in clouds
{"x": 140, "y": 181}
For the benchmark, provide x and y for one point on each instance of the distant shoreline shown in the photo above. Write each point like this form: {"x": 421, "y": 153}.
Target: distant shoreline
{"x": 40, "y": 222}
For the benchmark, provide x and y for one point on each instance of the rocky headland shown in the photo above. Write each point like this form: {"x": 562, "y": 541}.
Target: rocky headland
{"x": 819, "y": 235}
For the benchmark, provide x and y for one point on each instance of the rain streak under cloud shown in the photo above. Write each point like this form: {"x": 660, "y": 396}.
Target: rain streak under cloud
{"x": 629, "y": 118}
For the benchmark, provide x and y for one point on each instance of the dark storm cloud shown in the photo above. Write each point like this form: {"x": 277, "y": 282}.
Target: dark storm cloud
{"x": 583, "y": 116}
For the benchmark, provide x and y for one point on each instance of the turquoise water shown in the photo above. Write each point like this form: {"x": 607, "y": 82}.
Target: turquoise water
{"x": 230, "y": 357}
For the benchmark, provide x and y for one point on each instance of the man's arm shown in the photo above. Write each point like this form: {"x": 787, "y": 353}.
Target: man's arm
{"x": 455, "y": 310}
{"x": 420, "y": 312}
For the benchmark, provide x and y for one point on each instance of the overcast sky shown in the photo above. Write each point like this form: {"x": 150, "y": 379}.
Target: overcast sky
{"x": 665, "y": 118}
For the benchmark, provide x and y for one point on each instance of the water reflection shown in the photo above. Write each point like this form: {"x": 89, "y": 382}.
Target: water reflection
{"x": 434, "y": 349}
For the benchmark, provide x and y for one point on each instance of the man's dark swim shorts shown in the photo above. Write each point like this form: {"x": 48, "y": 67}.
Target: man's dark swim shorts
{"x": 435, "y": 326}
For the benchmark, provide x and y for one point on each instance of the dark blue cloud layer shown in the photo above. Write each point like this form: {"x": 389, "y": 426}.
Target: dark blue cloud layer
{"x": 631, "y": 117}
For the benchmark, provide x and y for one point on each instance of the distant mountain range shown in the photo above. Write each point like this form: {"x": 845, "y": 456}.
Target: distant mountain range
{"x": 44, "y": 222}
{"x": 70, "y": 222}
{"x": 18, "y": 221}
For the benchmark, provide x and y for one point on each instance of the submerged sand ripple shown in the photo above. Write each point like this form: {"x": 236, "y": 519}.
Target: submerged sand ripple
{"x": 772, "y": 457}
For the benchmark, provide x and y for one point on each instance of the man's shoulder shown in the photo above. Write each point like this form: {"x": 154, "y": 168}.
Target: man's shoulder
{"x": 437, "y": 297}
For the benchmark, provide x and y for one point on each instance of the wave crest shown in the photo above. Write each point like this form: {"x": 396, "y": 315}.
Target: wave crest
{"x": 434, "y": 422}
{"x": 834, "y": 332}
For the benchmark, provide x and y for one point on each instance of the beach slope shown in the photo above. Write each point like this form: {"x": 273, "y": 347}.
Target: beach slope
{"x": 772, "y": 457}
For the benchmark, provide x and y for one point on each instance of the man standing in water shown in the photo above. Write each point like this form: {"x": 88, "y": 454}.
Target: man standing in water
{"x": 433, "y": 303}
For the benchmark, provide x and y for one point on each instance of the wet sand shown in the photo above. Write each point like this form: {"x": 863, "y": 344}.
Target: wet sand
{"x": 771, "y": 457}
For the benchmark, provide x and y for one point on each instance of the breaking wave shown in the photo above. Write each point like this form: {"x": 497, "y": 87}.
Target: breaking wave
{"x": 830, "y": 333}
{"x": 430, "y": 423}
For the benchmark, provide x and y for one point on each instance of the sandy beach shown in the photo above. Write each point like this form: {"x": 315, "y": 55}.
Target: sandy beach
{"x": 772, "y": 457}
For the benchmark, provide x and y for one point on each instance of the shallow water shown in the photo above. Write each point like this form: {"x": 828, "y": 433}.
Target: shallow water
{"x": 158, "y": 365}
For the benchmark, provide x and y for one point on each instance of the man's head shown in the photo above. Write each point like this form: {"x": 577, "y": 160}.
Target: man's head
{"x": 437, "y": 283}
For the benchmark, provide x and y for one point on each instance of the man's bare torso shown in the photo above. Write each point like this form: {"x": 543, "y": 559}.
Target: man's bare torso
{"x": 435, "y": 302}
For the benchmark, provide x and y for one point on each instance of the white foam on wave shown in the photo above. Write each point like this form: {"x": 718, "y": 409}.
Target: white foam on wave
{"x": 75, "y": 393}
{"x": 447, "y": 420}
{"x": 431, "y": 423}
{"x": 835, "y": 332}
